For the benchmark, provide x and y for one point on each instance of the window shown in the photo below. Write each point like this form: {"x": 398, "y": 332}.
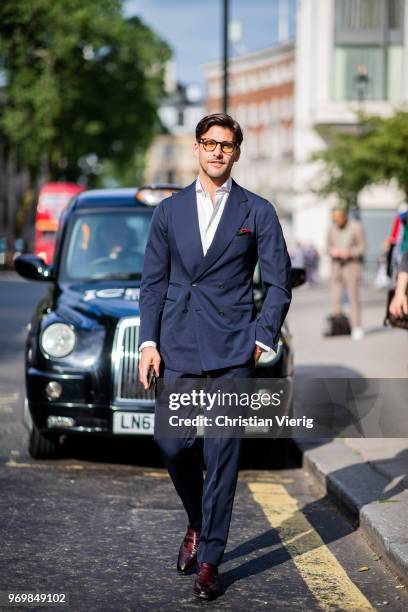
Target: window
{"x": 180, "y": 117}
{"x": 348, "y": 69}
{"x": 168, "y": 151}
{"x": 359, "y": 14}
{"x": 368, "y": 52}
{"x": 395, "y": 14}
{"x": 106, "y": 245}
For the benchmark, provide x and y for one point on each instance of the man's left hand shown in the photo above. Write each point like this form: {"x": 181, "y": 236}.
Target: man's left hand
{"x": 257, "y": 353}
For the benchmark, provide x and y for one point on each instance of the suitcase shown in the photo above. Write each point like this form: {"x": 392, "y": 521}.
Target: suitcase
{"x": 337, "y": 325}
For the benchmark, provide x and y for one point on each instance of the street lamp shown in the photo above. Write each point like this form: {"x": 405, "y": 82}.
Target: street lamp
{"x": 361, "y": 80}
{"x": 225, "y": 54}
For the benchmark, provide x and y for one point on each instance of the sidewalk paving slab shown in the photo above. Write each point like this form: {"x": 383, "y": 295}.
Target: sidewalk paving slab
{"x": 377, "y": 505}
{"x": 366, "y": 478}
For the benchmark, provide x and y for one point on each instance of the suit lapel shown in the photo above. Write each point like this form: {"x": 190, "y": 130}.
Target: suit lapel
{"x": 186, "y": 229}
{"x": 236, "y": 209}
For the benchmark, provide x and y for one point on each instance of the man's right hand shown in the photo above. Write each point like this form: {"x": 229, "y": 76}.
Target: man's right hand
{"x": 150, "y": 356}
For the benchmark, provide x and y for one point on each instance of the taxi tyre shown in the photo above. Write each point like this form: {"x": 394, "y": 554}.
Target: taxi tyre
{"x": 268, "y": 453}
{"x": 43, "y": 446}
{"x": 280, "y": 452}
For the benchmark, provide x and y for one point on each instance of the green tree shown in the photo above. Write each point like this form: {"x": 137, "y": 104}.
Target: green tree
{"x": 375, "y": 152}
{"x": 80, "y": 86}
{"x": 389, "y": 146}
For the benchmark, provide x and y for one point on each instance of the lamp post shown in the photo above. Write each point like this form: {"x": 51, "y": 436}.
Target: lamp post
{"x": 225, "y": 54}
{"x": 361, "y": 80}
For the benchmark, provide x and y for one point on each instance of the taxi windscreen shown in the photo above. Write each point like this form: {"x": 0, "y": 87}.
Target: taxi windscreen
{"x": 106, "y": 245}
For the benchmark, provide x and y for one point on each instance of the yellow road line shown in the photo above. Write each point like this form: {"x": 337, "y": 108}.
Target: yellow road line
{"x": 11, "y": 463}
{"x": 155, "y": 474}
{"x": 319, "y": 568}
{"x": 264, "y": 476}
{"x": 15, "y": 464}
{"x": 9, "y": 397}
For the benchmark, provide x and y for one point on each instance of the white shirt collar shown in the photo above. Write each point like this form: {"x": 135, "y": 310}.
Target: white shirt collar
{"x": 225, "y": 187}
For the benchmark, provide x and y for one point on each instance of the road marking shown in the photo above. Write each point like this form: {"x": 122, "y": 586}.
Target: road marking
{"x": 7, "y": 402}
{"x": 5, "y": 398}
{"x": 12, "y": 463}
{"x": 156, "y": 474}
{"x": 319, "y": 568}
{"x": 15, "y": 464}
{"x": 263, "y": 476}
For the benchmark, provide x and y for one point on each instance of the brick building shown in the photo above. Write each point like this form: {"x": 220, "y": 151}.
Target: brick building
{"x": 261, "y": 98}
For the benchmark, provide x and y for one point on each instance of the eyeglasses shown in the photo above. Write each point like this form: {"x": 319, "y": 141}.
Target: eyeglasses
{"x": 210, "y": 145}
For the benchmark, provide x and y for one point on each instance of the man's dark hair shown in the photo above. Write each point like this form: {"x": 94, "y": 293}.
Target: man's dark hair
{"x": 219, "y": 119}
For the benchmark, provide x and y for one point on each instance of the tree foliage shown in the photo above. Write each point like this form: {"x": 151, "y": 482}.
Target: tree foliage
{"x": 375, "y": 153}
{"x": 80, "y": 85}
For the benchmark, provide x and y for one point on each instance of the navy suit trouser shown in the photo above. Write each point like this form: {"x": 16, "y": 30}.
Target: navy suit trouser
{"x": 208, "y": 501}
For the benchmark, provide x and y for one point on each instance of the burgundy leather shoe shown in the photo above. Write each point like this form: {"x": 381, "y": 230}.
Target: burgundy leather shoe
{"x": 207, "y": 584}
{"x": 187, "y": 557}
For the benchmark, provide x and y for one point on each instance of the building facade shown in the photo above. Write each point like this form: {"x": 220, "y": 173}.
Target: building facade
{"x": 170, "y": 158}
{"x": 261, "y": 98}
{"x": 351, "y": 55}
{"x": 348, "y": 56}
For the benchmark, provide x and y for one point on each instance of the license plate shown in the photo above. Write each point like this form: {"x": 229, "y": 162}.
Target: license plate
{"x": 133, "y": 423}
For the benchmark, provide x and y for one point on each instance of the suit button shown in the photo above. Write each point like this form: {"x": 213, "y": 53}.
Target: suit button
{"x": 221, "y": 285}
{"x": 194, "y": 284}
{"x": 221, "y": 312}
{"x": 184, "y": 310}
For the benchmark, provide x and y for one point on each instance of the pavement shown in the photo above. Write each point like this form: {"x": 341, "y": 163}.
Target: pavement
{"x": 366, "y": 477}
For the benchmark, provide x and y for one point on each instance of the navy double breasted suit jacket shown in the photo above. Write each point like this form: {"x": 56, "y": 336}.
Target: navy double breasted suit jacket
{"x": 200, "y": 309}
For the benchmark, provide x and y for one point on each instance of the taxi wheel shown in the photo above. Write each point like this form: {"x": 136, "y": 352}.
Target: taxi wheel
{"x": 280, "y": 452}
{"x": 42, "y": 446}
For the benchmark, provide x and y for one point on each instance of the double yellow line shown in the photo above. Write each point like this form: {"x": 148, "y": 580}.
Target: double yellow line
{"x": 318, "y": 567}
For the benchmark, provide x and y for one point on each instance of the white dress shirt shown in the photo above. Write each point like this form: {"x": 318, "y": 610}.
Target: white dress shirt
{"x": 209, "y": 216}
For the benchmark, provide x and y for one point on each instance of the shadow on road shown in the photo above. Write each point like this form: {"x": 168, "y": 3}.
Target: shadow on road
{"x": 257, "y": 454}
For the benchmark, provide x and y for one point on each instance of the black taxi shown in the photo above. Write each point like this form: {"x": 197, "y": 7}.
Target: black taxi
{"x": 81, "y": 357}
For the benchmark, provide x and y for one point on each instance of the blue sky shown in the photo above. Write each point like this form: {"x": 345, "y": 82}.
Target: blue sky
{"x": 193, "y": 28}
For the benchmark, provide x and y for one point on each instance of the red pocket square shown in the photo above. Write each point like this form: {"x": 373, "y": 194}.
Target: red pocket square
{"x": 243, "y": 231}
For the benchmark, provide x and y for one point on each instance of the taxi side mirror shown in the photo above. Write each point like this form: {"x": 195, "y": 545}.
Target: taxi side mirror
{"x": 32, "y": 267}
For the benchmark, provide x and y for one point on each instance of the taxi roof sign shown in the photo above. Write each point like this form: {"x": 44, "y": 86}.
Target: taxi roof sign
{"x": 154, "y": 194}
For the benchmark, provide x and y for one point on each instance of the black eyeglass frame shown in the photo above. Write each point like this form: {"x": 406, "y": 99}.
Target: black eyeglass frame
{"x": 203, "y": 141}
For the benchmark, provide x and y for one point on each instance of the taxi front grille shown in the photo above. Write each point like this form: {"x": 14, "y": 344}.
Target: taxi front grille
{"x": 125, "y": 358}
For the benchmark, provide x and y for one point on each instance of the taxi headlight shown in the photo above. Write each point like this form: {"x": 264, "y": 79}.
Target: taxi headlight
{"x": 58, "y": 340}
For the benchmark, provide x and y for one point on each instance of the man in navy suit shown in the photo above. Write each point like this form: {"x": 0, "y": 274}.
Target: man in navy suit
{"x": 198, "y": 320}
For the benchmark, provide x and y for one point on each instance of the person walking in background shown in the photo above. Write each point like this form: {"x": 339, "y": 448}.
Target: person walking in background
{"x": 346, "y": 245}
{"x": 311, "y": 256}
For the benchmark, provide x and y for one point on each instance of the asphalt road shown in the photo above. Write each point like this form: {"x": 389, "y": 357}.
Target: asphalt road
{"x": 103, "y": 524}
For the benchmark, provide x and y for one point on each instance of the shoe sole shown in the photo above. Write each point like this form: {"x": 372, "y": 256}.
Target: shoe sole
{"x": 188, "y": 572}
{"x": 206, "y": 597}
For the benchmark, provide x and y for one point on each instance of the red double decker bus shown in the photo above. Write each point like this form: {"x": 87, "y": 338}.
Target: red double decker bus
{"x": 52, "y": 200}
